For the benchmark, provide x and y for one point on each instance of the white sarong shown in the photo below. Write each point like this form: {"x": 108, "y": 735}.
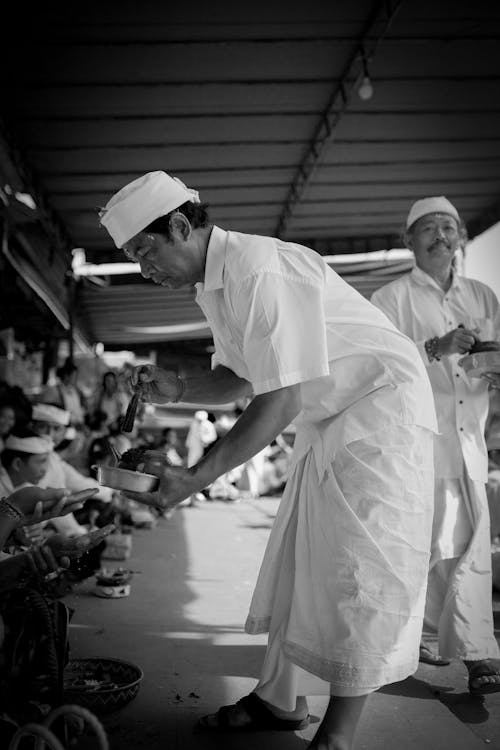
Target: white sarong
{"x": 343, "y": 581}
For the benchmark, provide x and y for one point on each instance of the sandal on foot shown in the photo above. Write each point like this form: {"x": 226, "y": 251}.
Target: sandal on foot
{"x": 261, "y": 719}
{"x": 483, "y": 670}
{"x": 428, "y": 657}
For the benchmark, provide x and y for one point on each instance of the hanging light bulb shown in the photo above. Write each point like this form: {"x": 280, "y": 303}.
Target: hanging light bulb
{"x": 365, "y": 90}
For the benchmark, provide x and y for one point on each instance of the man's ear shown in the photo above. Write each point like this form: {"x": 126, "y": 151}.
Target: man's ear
{"x": 180, "y": 225}
{"x": 17, "y": 464}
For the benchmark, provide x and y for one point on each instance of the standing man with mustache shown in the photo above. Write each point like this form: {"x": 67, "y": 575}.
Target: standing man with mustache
{"x": 444, "y": 313}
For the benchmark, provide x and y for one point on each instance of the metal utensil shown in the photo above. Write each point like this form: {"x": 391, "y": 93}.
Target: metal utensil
{"x": 115, "y": 456}
{"x": 128, "y": 420}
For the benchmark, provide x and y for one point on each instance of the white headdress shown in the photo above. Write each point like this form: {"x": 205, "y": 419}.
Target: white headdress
{"x": 142, "y": 201}
{"x": 33, "y": 445}
{"x": 51, "y": 414}
{"x": 435, "y": 205}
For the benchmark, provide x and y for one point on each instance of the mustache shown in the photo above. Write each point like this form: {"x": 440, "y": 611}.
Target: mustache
{"x": 436, "y": 244}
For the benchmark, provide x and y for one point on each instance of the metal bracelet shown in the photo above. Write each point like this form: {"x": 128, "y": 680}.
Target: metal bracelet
{"x": 431, "y": 347}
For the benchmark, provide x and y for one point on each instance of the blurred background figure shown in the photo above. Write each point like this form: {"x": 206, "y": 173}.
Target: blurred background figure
{"x": 111, "y": 400}
{"x": 169, "y": 444}
{"x": 201, "y": 435}
{"x": 7, "y": 421}
{"x": 66, "y": 394}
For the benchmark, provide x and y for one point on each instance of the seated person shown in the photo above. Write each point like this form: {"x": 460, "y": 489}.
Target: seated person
{"x": 24, "y": 461}
{"x": 49, "y": 420}
{"x": 7, "y": 421}
{"x": 33, "y": 646}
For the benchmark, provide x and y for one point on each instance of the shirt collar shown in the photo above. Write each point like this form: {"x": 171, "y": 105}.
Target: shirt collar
{"x": 420, "y": 277}
{"x": 216, "y": 258}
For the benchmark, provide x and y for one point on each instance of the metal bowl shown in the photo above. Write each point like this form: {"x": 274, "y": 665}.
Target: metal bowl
{"x": 124, "y": 479}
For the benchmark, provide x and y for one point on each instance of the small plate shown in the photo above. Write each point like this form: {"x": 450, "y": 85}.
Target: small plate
{"x": 476, "y": 365}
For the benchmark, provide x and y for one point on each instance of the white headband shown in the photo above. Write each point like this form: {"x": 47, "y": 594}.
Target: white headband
{"x": 435, "y": 205}
{"x": 34, "y": 445}
{"x": 142, "y": 201}
{"x": 51, "y": 414}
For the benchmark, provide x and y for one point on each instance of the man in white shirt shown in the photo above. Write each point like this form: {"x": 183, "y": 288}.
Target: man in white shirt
{"x": 444, "y": 313}
{"x": 342, "y": 586}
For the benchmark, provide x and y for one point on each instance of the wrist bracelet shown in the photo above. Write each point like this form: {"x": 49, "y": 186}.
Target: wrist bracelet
{"x": 431, "y": 347}
{"x": 10, "y": 511}
{"x": 182, "y": 388}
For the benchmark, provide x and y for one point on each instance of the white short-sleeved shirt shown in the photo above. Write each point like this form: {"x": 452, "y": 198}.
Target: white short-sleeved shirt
{"x": 281, "y": 316}
{"x": 418, "y": 306}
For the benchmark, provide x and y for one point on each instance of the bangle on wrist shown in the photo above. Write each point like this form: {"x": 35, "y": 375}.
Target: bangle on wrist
{"x": 432, "y": 349}
{"x": 10, "y": 511}
{"x": 182, "y": 387}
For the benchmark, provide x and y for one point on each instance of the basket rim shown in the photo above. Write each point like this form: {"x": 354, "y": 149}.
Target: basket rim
{"x": 112, "y": 659}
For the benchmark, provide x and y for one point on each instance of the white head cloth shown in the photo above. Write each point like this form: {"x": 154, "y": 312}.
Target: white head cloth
{"x": 201, "y": 414}
{"x": 42, "y": 444}
{"x": 142, "y": 201}
{"x": 51, "y": 414}
{"x": 436, "y": 205}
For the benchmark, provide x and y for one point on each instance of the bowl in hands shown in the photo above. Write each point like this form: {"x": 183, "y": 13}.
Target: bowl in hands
{"x": 127, "y": 480}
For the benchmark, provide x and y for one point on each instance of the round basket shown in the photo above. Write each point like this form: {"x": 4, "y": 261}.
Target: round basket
{"x": 100, "y": 684}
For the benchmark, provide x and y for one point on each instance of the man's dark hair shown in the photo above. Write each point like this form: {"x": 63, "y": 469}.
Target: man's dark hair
{"x": 8, "y": 455}
{"x": 195, "y": 213}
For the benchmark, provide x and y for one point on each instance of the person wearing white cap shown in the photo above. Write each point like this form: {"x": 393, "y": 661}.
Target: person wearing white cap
{"x": 444, "y": 313}
{"x": 342, "y": 584}
{"x": 24, "y": 460}
{"x": 48, "y": 420}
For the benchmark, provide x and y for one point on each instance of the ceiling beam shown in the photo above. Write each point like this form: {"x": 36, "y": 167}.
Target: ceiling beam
{"x": 375, "y": 28}
{"x": 21, "y": 178}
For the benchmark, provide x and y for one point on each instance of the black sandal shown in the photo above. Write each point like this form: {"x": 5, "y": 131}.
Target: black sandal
{"x": 483, "y": 670}
{"x": 261, "y": 719}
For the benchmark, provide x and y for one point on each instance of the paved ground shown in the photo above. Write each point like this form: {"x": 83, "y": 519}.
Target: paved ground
{"x": 183, "y": 625}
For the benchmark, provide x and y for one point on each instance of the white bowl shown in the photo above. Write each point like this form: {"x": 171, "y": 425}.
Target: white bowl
{"x": 124, "y": 479}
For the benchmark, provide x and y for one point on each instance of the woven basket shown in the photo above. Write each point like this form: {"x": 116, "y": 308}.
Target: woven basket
{"x": 125, "y": 679}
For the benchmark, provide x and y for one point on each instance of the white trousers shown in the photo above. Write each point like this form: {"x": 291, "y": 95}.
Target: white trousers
{"x": 459, "y": 587}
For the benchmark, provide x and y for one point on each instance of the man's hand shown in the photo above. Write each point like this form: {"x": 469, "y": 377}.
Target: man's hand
{"x": 176, "y": 484}
{"x": 156, "y": 386}
{"x": 44, "y": 564}
{"x": 458, "y": 341}
{"x": 74, "y": 547}
{"x": 493, "y": 379}
{"x": 37, "y": 504}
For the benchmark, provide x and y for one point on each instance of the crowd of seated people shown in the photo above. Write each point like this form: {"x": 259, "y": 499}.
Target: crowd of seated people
{"x": 54, "y": 518}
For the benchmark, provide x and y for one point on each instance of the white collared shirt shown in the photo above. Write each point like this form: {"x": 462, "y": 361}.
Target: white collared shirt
{"x": 418, "y": 306}
{"x": 281, "y": 316}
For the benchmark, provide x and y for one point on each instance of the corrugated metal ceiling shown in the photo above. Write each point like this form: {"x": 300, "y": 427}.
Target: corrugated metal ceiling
{"x": 229, "y": 97}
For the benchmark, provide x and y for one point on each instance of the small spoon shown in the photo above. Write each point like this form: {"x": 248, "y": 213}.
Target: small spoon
{"x": 128, "y": 420}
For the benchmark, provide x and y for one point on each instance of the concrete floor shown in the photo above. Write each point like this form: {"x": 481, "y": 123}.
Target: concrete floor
{"x": 183, "y": 624}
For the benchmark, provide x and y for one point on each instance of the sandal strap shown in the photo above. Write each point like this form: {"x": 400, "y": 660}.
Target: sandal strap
{"x": 256, "y": 709}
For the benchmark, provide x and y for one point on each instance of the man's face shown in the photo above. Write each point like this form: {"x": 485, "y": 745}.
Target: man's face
{"x": 54, "y": 431}
{"x": 167, "y": 262}
{"x": 434, "y": 240}
{"x": 33, "y": 469}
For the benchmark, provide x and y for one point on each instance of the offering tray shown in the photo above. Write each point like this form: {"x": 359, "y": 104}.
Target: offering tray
{"x": 125, "y": 479}
{"x": 479, "y": 363}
